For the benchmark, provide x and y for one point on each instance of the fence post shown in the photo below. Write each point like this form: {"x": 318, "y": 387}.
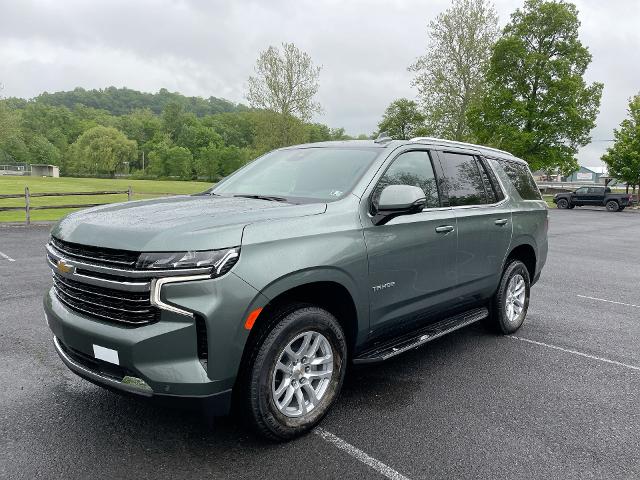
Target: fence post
{"x": 27, "y": 206}
{"x": 130, "y": 194}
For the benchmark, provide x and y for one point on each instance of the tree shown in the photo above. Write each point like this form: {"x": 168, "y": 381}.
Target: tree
{"x": 536, "y": 103}
{"x": 402, "y": 120}
{"x": 285, "y": 82}
{"x": 623, "y": 158}
{"x": 101, "y": 150}
{"x": 449, "y": 76}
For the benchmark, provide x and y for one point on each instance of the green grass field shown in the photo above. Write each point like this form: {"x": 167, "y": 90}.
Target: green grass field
{"x": 141, "y": 189}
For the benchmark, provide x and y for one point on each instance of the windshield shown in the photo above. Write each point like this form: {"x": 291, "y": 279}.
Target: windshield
{"x": 312, "y": 174}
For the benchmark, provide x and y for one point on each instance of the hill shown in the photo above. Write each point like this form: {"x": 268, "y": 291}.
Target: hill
{"x": 120, "y": 101}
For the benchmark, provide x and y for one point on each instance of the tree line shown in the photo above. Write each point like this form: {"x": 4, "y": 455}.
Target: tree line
{"x": 119, "y": 130}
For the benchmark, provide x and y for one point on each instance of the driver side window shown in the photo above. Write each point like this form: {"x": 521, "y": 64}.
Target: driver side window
{"x": 411, "y": 168}
{"x": 581, "y": 191}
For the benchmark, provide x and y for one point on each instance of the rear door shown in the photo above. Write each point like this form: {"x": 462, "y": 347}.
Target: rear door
{"x": 412, "y": 258}
{"x": 483, "y": 218}
{"x": 595, "y": 195}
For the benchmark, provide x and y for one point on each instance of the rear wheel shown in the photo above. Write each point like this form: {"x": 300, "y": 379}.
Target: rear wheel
{"x": 563, "y": 203}
{"x": 612, "y": 206}
{"x": 511, "y": 301}
{"x": 297, "y": 373}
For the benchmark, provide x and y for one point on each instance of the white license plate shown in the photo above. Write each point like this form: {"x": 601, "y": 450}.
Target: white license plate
{"x": 106, "y": 354}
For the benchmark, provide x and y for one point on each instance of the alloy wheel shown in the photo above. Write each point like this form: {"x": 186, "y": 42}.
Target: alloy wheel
{"x": 302, "y": 374}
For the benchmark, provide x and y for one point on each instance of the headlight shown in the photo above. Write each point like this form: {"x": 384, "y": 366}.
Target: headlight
{"x": 220, "y": 261}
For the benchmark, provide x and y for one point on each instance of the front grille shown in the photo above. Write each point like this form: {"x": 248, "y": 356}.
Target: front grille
{"x": 101, "y": 256}
{"x": 132, "y": 308}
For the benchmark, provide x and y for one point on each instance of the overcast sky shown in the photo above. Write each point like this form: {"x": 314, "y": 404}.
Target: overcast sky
{"x": 208, "y": 48}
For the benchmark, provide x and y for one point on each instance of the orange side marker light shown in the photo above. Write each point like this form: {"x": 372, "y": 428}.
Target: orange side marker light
{"x": 251, "y": 319}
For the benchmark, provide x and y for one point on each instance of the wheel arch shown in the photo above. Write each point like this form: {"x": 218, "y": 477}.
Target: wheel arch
{"x": 527, "y": 255}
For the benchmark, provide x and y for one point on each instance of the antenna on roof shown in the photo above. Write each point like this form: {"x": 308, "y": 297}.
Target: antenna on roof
{"x": 383, "y": 137}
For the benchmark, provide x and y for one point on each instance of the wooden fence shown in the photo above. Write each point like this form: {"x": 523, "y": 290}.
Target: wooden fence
{"x": 28, "y": 196}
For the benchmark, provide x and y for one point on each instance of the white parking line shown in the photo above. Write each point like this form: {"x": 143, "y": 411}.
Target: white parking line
{"x": 7, "y": 257}
{"x": 610, "y": 301}
{"x": 575, "y": 352}
{"x": 358, "y": 454}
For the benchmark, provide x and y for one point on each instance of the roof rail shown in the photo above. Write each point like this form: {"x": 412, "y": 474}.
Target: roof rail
{"x": 456, "y": 143}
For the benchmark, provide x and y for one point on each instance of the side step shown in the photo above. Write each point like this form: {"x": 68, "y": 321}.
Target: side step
{"x": 404, "y": 343}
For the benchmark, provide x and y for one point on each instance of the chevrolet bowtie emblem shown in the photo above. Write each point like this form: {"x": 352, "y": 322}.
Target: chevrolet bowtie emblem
{"x": 64, "y": 267}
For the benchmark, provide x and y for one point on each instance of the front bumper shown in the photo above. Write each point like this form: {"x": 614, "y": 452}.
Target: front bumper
{"x": 161, "y": 359}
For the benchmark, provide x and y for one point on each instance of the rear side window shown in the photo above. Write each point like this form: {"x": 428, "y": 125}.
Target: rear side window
{"x": 521, "y": 178}
{"x": 411, "y": 168}
{"x": 491, "y": 185}
{"x": 465, "y": 184}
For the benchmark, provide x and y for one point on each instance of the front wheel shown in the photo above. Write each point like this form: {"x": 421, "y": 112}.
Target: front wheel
{"x": 297, "y": 373}
{"x": 511, "y": 301}
{"x": 563, "y": 203}
{"x": 612, "y": 206}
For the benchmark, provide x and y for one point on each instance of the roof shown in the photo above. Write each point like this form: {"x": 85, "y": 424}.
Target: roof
{"x": 42, "y": 165}
{"x": 602, "y": 170}
{"x": 487, "y": 151}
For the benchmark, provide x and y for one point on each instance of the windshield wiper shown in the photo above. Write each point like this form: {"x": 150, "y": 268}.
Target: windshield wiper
{"x": 270, "y": 198}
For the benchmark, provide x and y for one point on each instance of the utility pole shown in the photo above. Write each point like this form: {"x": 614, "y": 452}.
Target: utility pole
{"x": 143, "y": 161}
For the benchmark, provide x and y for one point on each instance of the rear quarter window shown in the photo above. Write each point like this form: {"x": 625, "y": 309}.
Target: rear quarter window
{"x": 521, "y": 178}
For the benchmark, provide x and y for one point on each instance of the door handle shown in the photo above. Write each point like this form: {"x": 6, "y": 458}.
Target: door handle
{"x": 501, "y": 221}
{"x": 444, "y": 229}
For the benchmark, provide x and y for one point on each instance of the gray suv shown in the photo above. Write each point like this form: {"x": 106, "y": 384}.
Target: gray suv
{"x": 256, "y": 294}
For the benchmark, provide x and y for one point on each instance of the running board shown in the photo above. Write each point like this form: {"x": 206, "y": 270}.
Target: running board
{"x": 417, "y": 338}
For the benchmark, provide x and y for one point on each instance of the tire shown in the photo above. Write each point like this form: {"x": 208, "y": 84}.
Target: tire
{"x": 612, "y": 206}
{"x": 504, "y": 317}
{"x": 571, "y": 207}
{"x": 563, "y": 203}
{"x": 269, "y": 412}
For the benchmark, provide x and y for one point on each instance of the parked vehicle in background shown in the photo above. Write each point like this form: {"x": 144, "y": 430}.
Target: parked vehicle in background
{"x": 595, "y": 197}
{"x": 257, "y": 293}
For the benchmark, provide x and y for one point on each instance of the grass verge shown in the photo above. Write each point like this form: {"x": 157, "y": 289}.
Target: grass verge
{"x": 141, "y": 189}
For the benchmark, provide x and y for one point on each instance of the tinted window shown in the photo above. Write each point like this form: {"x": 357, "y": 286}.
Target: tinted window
{"x": 463, "y": 179}
{"x": 491, "y": 185}
{"x": 521, "y": 178}
{"x": 582, "y": 191}
{"x": 411, "y": 168}
{"x": 323, "y": 174}
{"x": 596, "y": 190}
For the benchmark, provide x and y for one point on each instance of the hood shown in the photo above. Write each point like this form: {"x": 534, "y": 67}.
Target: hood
{"x": 199, "y": 222}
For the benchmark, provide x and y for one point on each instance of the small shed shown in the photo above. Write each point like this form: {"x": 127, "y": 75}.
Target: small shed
{"x": 38, "y": 170}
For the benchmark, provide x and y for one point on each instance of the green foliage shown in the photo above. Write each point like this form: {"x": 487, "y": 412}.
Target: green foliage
{"x": 175, "y": 141}
{"x": 285, "y": 82}
{"x": 449, "y": 76}
{"x": 403, "y": 120}
{"x": 101, "y": 150}
{"x": 623, "y": 158}
{"x": 121, "y": 101}
{"x": 536, "y": 103}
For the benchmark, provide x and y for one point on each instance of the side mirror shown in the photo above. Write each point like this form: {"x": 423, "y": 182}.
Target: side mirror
{"x": 396, "y": 200}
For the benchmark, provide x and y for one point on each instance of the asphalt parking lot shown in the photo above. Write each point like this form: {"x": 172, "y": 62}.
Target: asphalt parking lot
{"x": 558, "y": 400}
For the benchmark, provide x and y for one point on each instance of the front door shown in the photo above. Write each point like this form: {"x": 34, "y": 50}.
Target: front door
{"x": 411, "y": 258}
{"x": 484, "y": 224}
{"x": 581, "y": 196}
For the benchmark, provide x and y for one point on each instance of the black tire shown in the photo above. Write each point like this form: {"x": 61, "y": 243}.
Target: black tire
{"x": 563, "y": 203}
{"x": 499, "y": 318}
{"x": 264, "y": 415}
{"x": 612, "y": 206}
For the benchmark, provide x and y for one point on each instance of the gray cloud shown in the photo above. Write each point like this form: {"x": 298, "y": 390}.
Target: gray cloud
{"x": 209, "y": 48}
